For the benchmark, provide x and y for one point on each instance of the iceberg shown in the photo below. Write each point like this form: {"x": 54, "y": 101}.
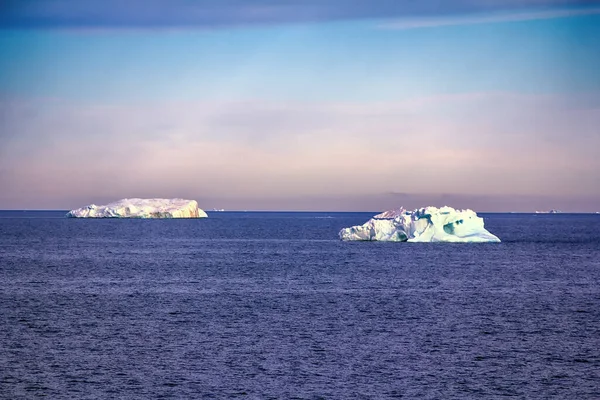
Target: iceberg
{"x": 428, "y": 224}
{"x": 141, "y": 208}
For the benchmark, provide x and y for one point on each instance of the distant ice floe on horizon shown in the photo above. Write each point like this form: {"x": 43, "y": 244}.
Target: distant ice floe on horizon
{"x": 141, "y": 208}
{"x": 428, "y": 224}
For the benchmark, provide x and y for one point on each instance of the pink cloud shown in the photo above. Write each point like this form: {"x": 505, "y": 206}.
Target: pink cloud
{"x": 478, "y": 144}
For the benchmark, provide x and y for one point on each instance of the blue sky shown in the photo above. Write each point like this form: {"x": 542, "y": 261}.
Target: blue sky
{"x": 301, "y": 105}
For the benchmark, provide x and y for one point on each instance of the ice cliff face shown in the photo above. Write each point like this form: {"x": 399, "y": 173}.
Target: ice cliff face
{"x": 141, "y": 208}
{"x": 429, "y": 224}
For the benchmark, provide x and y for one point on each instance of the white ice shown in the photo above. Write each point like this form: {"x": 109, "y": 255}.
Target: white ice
{"x": 428, "y": 224}
{"x": 141, "y": 208}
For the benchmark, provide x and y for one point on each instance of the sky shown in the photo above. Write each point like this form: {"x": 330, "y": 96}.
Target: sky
{"x": 301, "y": 105}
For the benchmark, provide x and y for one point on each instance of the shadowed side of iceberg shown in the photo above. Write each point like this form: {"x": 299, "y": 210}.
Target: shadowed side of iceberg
{"x": 428, "y": 224}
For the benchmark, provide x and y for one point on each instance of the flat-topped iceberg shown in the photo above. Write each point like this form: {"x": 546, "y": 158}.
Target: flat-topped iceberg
{"x": 141, "y": 208}
{"x": 429, "y": 224}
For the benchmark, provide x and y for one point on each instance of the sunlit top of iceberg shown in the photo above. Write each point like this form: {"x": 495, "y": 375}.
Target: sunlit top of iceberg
{"x": 141, "y": 208}
{"x": 428, "y": 224}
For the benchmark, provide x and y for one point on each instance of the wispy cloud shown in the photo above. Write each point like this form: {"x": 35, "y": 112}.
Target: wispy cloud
{"x": 160, "y": 14}
{"x": 414, "y": 23}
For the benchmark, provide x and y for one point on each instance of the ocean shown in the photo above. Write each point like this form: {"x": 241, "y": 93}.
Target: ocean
{"x": 272, "y": 305}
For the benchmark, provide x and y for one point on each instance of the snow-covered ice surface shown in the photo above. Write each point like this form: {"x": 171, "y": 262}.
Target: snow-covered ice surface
{"x": 141, "y": 208}
{"x": 428, "y": 224}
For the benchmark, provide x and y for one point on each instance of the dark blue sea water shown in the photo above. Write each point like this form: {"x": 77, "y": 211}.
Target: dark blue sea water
{"x": 274, "y": 306}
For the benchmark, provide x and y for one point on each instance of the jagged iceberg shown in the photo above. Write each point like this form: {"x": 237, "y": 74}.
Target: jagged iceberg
{"x": 141, "y": 208}
{"x": 429, "y": 224}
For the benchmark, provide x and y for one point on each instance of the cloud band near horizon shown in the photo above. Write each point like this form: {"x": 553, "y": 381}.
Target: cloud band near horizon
{"x": 513, "y": 145}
